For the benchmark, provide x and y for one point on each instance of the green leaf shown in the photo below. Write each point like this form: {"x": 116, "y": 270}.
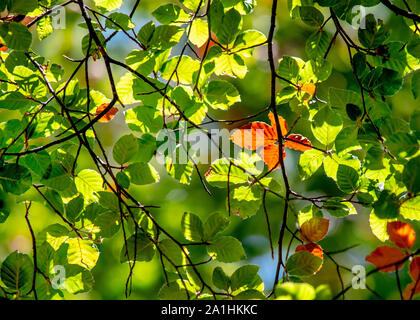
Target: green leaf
{"x": 78, "y": 279}
{"x": 215, "y": 224}
{"x": 123, "y": 180}
{"x": 411, "y": 175}
{"x": 144, "y": 119}
{"x": 245, "y": 201}
{"x": 169, "y": 13}
{"x": 146, "y": 33}
{"x": 317, "y": 44}
{"x": 402, "y": 145}
{"x": 55, "y": 235}
{"x": 175, "y": 290}
{"x": 347, "y": 178}
{"x": 17, "y": 272}
{"x": 226, "y": 249}
{"x": 108, "y": 5}
{"x": 230, "y": 64}
{"x": 192, "y": 227}
{"x": 199, "y": 33}
{"x": 243, "y": 276}
{"x": 326, "y": 125}
{"x": 4, "y": 207}
{"x": 347, "y": 103}
{"x": 191, "y": 4}
{"x": 303, "y": 263}
{"x": 57, "y": 178}
{"x": 14, "y": 101}
{"x": 82, "y": 252}
{"x": 251, "y": 294}
{"x": 21, "y": 6}
{"x": 15, "y": 36}
{"x": 74, "y": 207}
{"x": 142, "y": 173}
{"x": 54, "y": 199}
{"x": 386, "y": 207}
{"x": 221, "y": 94}
{"x": 332, "y": 163}
{"x": 309, "y": 163}
{"x": 44, "y": 27}
{"x": 410, "y": 209}
{"x": 316, "y": 71}
{"x": 170, "y": 250}
{"x": 121, "y": 20}
{"x": 125, "y": 149}
{"x": 379, "y": 226}
{"x": 249, "y": 39}
{"x": 227, "y": 31}
{"x": 339, "y": 209}
{"x": 88, "y": 182}
{"x": 141, "y": 248}
{"x": 415, "y": 84}
{"x": 179, "y": 165}
{"x": 311, "y": 16}
{"x": 39, "y": 163}
{"x": 15, "y": 178}
{"x": 108, "y": 222}
{"x": 165, "y": 37}
{"x": 180, "y": 69}
{"x": 219, "y": 174}
{"x": 220, "y": 279}
{"x": 307, "y": 213}
{"x": 373, "y": 34}
{"x": 289, "y": 68}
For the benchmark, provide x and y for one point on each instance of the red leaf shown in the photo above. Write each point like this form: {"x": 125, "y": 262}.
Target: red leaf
{"x": 386, "y": 258}
{"x": 415, "y": 269}
{"x": 254, "y": 135}
{"x": 402, "y": 234}
{"x": 107, "y": 116}
{"x": 314, "y": 229}
{"x": 309, "y": 88}
{"x": 282, "y": 122}
{"x": 298, "y": 142}
{"x": 312, "y": 248}
{"x": 410, "y": 292}
{"x": 270, "y": 155}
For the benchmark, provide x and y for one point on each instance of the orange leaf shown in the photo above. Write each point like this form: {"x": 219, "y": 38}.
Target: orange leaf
{"x": 402, "y": 234}
{"x": 312, "y": 248}
{"x": 410, "y": 292}
{"x": 282, "y": 122}
{"x": 254, "y": 135}
{"x": 3, "y": 47}
{"x": 270, "y": 155}
{"x": 211, "y": 43}
{"x": 315, "y": 229}
{"x": 386, "y": 258}
{"x": 415, "y": 269}
{"x": 298, "y": 142}
{"x": 107, "y": 116}
{"x": 309, "y": 88}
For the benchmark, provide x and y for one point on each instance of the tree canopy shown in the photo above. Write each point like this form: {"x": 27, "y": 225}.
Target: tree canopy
{"x": 209, "y": 149}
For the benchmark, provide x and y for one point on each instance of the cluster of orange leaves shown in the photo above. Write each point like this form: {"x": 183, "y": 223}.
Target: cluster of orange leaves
{"x": 108, "y": 115}
{"x": 312, "y": 231}
{"x": 264, "y": 138}
{"x": 389, "y": 258}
